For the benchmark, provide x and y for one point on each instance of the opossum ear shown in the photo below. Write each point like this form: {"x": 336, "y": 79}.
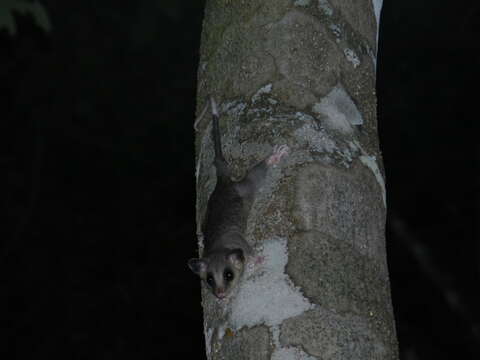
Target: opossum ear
{"x": 198, "y": 266}
{"x": 236, "y": 257}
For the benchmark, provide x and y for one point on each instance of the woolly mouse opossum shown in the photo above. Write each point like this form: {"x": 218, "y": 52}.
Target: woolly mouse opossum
{"x": 225, "y": 248}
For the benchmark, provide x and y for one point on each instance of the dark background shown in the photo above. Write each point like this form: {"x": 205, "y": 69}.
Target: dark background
{"x": 98, "y": 193}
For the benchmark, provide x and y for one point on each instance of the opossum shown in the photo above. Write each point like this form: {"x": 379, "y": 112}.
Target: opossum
{"x": 225, "y": 248}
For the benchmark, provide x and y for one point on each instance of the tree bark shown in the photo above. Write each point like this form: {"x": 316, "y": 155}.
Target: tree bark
{"x": 302, "y": 73}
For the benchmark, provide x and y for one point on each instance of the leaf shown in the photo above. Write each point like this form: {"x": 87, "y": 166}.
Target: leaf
{"x": 38, "y": 12}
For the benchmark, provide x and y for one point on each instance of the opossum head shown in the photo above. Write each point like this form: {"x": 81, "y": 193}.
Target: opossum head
{"x": 220, "y": 270}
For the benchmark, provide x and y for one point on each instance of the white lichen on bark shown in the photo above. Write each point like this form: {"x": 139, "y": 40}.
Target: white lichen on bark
{"x": 268, "y": 297}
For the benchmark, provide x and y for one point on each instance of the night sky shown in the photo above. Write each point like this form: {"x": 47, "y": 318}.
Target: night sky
{"x": 98, "y": 195}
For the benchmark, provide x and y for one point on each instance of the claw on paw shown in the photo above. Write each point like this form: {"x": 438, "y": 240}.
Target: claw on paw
{"x": 278, "y": 152}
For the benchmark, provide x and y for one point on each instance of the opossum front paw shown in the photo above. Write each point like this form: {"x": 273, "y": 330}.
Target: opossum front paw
{"x": 278, "y": 152}
{"x": 259, "y": 260}
{"x": 255, "y": 263}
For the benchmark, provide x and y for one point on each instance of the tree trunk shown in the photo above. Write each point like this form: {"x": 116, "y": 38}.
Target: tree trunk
{"x": 302, "y": 73}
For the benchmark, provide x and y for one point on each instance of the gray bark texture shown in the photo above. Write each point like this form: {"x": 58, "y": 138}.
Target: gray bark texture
{"x": 301, "y": 73}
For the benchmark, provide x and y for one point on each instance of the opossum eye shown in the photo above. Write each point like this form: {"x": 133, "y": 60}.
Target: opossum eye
{"x": 228, "y": 275}
{"x": 210, "y": 280}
